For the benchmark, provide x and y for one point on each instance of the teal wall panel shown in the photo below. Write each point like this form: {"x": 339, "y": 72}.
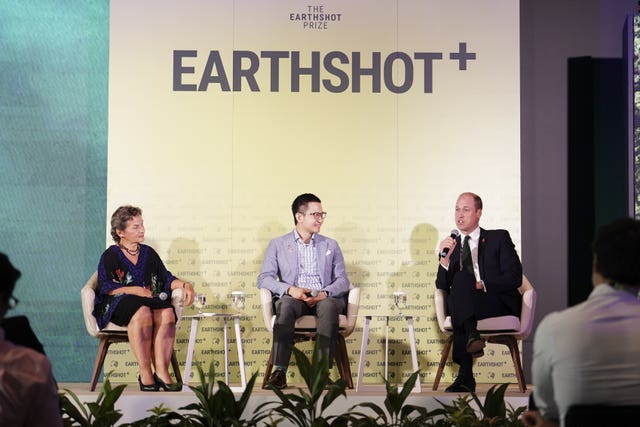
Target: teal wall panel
{"x": 54, "y": 58}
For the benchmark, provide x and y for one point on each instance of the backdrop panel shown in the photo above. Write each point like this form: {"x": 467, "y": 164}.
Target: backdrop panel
{"x": 220, "y": 113}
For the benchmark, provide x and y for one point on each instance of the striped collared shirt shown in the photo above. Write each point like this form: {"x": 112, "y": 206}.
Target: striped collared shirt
{"x": 308, "y": 272}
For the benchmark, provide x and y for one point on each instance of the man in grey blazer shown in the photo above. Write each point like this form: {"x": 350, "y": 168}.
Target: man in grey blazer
{"x": 305, "y": 272}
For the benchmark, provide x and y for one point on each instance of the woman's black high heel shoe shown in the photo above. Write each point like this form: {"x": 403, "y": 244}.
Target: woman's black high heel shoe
{"x": 150, "y": 387}
{"x": 167, "y": 387}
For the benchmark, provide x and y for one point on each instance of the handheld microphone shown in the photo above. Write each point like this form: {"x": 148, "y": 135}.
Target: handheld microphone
{"x": 313, "y": 293}
{"x": 454, "y": 234}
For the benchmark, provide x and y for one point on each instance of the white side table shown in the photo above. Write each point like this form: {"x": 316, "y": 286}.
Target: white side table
{"x": 365, "y": 339}
{"x": 192, "y": 340}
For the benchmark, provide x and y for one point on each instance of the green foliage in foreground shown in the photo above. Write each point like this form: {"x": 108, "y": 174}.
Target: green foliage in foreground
{"x": 307, "y": 406}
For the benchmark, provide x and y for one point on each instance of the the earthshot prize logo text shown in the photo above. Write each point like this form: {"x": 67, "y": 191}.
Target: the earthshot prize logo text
{"x": 315, "y": 18}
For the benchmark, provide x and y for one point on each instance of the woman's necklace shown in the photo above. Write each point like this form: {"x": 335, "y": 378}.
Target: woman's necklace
{"x": 133, "y": 252}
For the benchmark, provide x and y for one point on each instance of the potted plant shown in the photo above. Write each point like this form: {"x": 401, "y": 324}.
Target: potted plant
{"x": 493, "y": 412}
{"x": 395, "y": 412}
{"x": 101, "y": 413}
{"x": 308, "y": 407}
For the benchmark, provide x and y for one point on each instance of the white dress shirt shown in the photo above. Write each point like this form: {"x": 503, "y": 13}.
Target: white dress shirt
{"x": 473, "y": 247}
{"x": 588, "y": 354}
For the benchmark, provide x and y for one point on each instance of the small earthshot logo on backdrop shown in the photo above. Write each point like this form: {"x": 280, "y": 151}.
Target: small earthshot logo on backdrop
{"x": 315, "y": 17}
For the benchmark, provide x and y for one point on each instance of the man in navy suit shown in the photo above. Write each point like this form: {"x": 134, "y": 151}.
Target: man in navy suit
{"x": 305, "y": 271}
{"x": 481, "y": 273}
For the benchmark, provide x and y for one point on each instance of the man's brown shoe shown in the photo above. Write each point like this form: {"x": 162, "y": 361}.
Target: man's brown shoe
{"x": 475, "y": 344}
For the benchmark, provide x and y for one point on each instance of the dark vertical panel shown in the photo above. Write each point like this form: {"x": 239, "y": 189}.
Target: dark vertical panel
{"x": 597, "y": 160}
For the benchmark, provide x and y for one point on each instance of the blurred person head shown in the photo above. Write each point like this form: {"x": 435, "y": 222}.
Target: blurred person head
{"x": 616, "y": 253}
{"x": 9, "y": 275}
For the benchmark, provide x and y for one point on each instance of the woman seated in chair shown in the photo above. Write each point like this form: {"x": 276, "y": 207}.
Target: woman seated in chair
{"x": 134, "y": 290}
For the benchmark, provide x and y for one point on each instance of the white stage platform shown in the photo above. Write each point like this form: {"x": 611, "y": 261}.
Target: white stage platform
{"x": 134, "y": 404}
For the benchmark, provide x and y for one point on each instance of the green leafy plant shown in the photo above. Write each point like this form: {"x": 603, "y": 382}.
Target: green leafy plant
{"x": 308, "y": 407}
{"x": 219, "y": 408}
{"x": 101, "y": 413}
{"x": 494, "y": 411}
{"x": 395, "y": 413}
{"x": 215, "y": 407}
{"x": 162, "y": 416}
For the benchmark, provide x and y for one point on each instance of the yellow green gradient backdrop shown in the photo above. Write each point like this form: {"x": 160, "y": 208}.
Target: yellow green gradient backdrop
{"x": 215, "y": 171}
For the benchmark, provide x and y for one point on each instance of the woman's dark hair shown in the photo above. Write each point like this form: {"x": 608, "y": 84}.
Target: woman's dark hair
{"x": 302, "y": 201}
{"x": 120, "y": 217}
{"x": 617, "y": 251}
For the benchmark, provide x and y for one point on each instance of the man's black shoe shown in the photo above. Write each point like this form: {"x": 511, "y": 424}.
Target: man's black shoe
{"x": 278, "y": 379}
{"x": 462, "y": 385}
{"x": 475, "y": 344}
{"x": 477, "y": 354}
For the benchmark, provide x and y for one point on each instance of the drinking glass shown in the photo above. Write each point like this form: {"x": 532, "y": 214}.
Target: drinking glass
{"x": 200, "y": 301}
{"x": 400, "y": 300}
{"x": 238, "y": 300}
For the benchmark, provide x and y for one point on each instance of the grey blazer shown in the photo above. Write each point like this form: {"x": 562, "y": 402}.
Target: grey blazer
{"x": 280, "y": 266}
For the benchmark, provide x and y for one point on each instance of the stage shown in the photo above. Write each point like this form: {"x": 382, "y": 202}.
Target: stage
{"x": 135, "y": 404}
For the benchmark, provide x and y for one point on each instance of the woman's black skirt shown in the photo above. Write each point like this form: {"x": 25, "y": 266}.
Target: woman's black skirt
{"x": 129, "y": 304}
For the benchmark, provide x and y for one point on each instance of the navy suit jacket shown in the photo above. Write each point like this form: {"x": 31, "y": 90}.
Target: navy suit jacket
{"x": 280, "y": 267}
{"x": 499, "y": 267}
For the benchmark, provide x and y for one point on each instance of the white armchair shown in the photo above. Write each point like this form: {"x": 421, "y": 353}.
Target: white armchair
{"x": 505, "y": 330}
{"x": 306, "y": 329}
{"x": 113, "y": 333}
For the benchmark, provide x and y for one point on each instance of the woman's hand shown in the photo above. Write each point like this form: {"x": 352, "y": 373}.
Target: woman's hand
{"x": 188, "y": 293}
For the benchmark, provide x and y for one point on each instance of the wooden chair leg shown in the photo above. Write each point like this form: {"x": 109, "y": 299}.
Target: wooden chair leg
{"x": 267, "y": 370}
{"x": 512, "y": 343}
{"x": 176, "y": 367}
{"x": 103, "y": 346}
{"x": 342, "y": 361}
{"x": 443, "y": 361}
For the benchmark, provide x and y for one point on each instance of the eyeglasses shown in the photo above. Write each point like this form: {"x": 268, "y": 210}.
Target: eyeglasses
{"x": 13, "y": 302}
{"x": 316, "y": 215}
